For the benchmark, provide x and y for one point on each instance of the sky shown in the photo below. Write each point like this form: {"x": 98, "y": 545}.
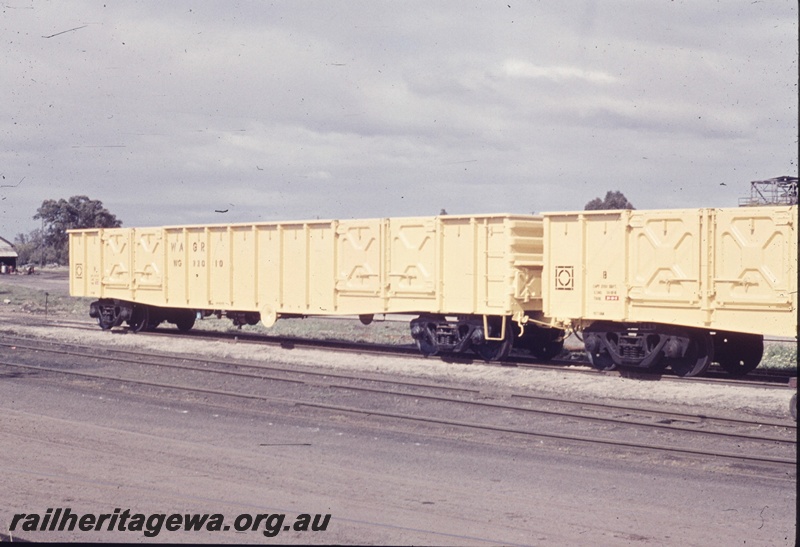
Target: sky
{"x": 169, "y": 112}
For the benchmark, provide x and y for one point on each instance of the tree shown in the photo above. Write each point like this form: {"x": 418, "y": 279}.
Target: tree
{"x": 30, "y": 247}
{"x": 75, "y": 213}
{"x": 614, "y": 200}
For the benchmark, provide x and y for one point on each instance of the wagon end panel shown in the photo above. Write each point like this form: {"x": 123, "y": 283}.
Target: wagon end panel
{"x": 603, "y": 265}
{"x": 754, "y": 275}
{"x": 85, "y": 263}
{"x": 495, "y": 265}
{"x": 526, "y": 256}
{"x": 563, "y": 266}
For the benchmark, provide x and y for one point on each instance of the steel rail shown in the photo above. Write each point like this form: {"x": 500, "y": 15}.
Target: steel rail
{"x": 560, "y": 365}
{"x": 485, "y": 404}
{"x": 603, "y": 406}
{"x": 415, "y": 418}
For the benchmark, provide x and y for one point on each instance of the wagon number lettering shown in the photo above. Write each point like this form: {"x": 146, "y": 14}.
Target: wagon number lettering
{"x": 199, "y": 247}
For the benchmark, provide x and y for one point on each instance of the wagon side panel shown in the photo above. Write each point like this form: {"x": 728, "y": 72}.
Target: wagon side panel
{"x": 177, "y": 292}
{"x": 116, "y": 269}
{"x": 319, "y": 245}
{"x": 459, "y": 261}
{"x": 197, "y": 279}
{"x": 148, "y": 259}
{"x": 667, "y": 264}
{"x": 359, "y": 266}
{"x": 243, "y": 267}
{"x": 269, "y": 275}
{"x": 411, "y": 265}
{"x": 754, "y": 274}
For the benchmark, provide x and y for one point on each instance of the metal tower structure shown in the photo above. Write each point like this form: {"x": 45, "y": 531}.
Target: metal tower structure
{"x": 777, "y": 191}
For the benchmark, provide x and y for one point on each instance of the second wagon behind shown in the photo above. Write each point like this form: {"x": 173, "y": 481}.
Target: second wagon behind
{"x": 466, "y": 276}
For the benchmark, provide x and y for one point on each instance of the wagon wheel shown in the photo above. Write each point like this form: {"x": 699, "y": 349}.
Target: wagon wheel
{"x": 697, "y": 358}
{"x": 601, "y": 360}
{"x": 493, "y": 350}
{"x": 426, "y": 344}
{"x": 740, "y": 353}
{"x": 106, "y": 321}
{"x": 597, "y": 352}
{"x": 153, "y": 324}
{"x": 185, "y": 321}
{"x": 140, "y": 318}
{"x": 107, "y": 316}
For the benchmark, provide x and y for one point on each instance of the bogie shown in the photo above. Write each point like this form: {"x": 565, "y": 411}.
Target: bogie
{"x": 651, "y": 346}
{"x": 488, "y": 337}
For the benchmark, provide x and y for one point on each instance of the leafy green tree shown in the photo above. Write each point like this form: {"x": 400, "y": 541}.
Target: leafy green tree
{"x": 30, "y": 247}
{"x": 75, "y": 213}
{"x": 614, "y": 200}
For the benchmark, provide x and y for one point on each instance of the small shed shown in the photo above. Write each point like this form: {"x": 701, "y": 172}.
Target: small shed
{"x": 8, "y": 256}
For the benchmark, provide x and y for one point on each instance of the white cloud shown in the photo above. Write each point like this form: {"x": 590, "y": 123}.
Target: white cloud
{"x": 516, "y": 68}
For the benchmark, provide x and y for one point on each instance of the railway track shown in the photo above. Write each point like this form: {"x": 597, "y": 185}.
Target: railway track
{"x": 442, "y": 409}
{"x": 571, "y": 365}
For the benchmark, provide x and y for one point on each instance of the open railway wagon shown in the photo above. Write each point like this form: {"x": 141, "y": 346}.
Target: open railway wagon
{"x": 677, "y": 288}
{"x": 466, "y": 276}
{"x": 645, "y": 289}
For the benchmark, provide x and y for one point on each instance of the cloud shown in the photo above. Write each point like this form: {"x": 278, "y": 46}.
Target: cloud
{"x": 168, "y": 111}
{"x": 516, "y": 68}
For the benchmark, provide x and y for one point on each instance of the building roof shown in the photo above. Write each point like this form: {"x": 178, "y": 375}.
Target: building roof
{"x": 7, "y": 249}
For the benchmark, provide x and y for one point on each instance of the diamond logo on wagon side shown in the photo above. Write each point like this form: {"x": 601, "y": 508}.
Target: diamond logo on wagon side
{"x": 565, "y": 278}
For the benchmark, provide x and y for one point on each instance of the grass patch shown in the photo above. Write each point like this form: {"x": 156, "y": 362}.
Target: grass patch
{"x": 21, "y": 299}
{"x": 321, "y": 328}
{"x": 780, "y": 356}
